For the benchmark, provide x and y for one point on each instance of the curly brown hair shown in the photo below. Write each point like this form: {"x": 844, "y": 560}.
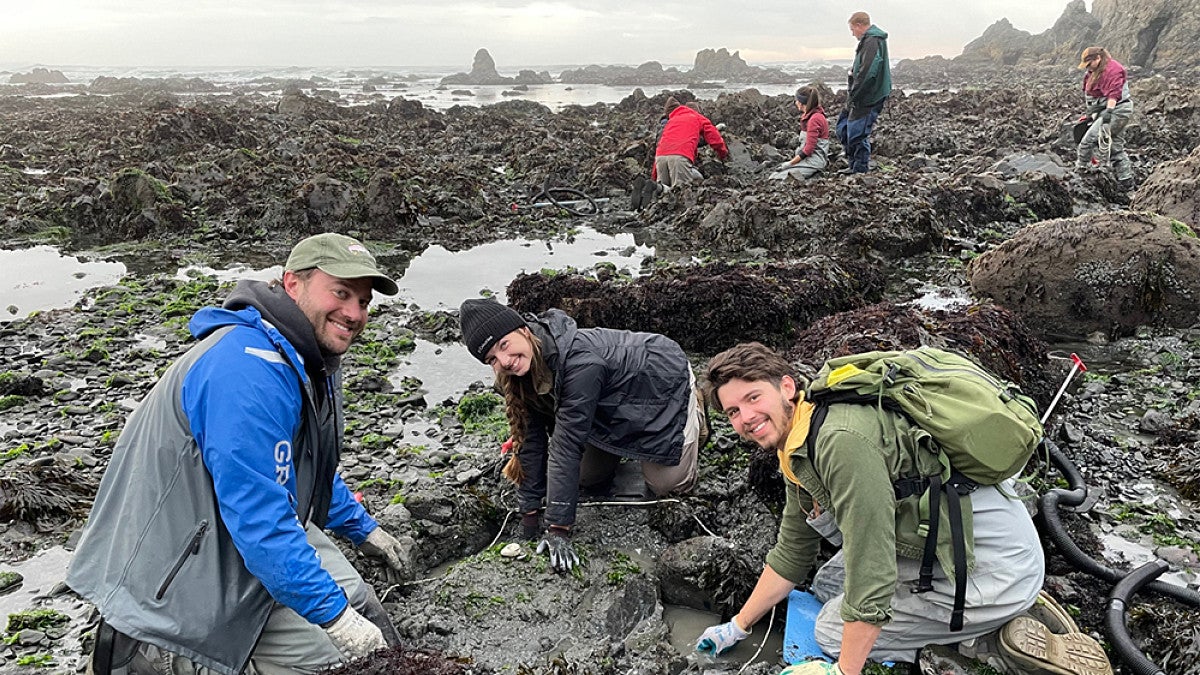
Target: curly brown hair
{"x": 749, "y": 361}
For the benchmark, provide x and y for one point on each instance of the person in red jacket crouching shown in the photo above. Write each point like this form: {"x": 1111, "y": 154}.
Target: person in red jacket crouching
{"x": 675, "y": 155}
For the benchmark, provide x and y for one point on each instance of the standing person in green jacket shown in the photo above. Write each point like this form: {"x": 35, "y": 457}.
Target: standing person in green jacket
{"x": 845, "y": 493}
{"x": 870, "y": 83}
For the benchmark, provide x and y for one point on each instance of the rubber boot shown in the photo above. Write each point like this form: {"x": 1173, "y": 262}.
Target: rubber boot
{"x": 635, "y": 193}
{"x": 1030, "y": 645}
{"x": 650, "y": 191}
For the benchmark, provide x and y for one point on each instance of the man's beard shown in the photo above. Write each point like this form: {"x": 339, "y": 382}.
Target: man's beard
{"x": 789, "y": 409}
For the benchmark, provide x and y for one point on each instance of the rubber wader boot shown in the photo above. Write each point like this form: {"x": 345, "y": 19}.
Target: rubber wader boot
{"x": 650, "y": 190}
{"x": 1047, "y": 610}
{"x": 635, "y": 193}
{"x": 1030, "y": 645}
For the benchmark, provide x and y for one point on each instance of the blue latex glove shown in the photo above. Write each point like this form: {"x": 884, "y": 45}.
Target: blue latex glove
{"x": 717, "y": 640}
{"x": 557, "y": 544}
{"x": 813, "y": 668}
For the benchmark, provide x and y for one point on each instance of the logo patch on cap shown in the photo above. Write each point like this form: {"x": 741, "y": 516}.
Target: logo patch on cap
{"x": 357, "y": 248}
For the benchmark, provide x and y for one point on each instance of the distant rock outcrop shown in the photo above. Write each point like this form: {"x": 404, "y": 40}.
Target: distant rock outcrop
{"x": 721, "y": 65}
{"x": 1154, "y": 35}
{"x": 124, "y": 85}
{"x": 39, "y": 76}
{"x": 710, "y": 64}
{"x": 650, "y": 72}
{"x": 483, "y": 71}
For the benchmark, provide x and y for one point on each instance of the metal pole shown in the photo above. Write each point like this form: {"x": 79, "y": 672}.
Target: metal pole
{"x": 1077, "y": 365}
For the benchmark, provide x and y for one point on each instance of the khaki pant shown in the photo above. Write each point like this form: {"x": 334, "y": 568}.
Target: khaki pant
{"x": 597, "y": 466}
{"x": 676, "y": 170}
{"x": 289, "y": 643}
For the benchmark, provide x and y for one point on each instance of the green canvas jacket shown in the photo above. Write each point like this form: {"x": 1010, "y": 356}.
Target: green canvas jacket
{"x": 871, "y": 73}
{"x": 860, "y": 451}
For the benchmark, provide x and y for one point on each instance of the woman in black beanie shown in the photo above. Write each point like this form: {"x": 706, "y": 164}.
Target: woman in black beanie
{"x": 578, "y": 400}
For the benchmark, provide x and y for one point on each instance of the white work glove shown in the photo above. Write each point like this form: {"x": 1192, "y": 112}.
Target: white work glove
{"x": 354, "y": 635}
{"x": 397, "y": 553}
{"x": 716, "y": 640}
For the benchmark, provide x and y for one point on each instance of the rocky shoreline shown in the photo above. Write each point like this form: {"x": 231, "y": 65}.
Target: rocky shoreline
{"x": 830, "y": 266}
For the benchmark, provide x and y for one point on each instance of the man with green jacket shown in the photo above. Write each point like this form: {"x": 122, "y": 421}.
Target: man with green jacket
{"x": 870, "y": 83}
{"x": 846, "y": 492}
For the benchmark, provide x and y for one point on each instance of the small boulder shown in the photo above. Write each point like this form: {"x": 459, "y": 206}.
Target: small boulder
{"x": 1173, "y": 190}
{"x": 1108, "y": 272}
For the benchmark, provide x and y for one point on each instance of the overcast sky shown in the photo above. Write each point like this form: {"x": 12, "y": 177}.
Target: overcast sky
{"x": 447, "y": 32}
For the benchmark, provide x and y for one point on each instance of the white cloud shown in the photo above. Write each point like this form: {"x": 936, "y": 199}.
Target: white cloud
{"x": 447, "y": 32}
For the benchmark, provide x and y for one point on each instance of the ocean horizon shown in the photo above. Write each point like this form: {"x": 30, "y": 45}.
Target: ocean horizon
{"x": 360, "y": 85}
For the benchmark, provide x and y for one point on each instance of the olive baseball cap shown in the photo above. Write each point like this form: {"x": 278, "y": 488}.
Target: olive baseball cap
{"x": 339, "y": 256}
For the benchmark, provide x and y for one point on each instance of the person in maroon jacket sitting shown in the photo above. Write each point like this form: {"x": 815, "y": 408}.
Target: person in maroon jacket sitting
{"x": 675, "y": 155}
{"x": 813, "y": 154}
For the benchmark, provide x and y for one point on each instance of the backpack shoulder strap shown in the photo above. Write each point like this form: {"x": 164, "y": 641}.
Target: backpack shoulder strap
{"x": 814, "y": 425}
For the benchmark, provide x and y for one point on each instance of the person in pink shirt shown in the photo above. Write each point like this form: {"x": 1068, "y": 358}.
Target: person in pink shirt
{"x": 813, "y": 154}
{"x": 1106, "y": 91}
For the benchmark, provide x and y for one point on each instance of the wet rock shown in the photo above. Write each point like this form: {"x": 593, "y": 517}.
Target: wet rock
{"x": 307, "y": 107}
{"x": 574, "y": 617}
{"x": 134, "y": 191}
{"x": 388, "y": 203}
{"x": 1178, "y": 556}
{"x": 710, "y": 574}
{"x": 177, "y": 129}
{"x": 21, "y": 385}
{"x": 1173, "y": 190}
{"x": 998, "y": 339}
{"x": 1155, "y": 421}
{"x": 1110, "y": 272}
{"x": 1017, "y": 164}
{"x": 30, "y": 637}
{"x": 403, "y": 661}
{"x": 449, "y": 523}
{"x": 48, "y": 492}
{"x": 723, "y": 304}
{"x": 325, "y": 199}
{"x": 809, "y": 222}
{"x": 1042, "y": 196}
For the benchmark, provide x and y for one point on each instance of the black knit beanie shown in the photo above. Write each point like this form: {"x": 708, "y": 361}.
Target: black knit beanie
{"x": 484, "y": 321}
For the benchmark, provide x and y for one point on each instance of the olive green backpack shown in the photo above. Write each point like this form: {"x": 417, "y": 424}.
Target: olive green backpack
{"x": 984, "y": 427}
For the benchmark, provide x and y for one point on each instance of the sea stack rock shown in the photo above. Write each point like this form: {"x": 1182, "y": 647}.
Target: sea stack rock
{"x": 719, "y": 64}
{"x": 483, "y": 71}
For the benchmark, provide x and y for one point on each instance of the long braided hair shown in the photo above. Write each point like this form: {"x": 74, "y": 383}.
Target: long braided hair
{"x": 520, "y": 393}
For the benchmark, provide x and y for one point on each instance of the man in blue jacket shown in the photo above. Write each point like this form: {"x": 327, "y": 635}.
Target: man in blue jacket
{"x": 870, "y": 83}
{"x": 205, "y": 549}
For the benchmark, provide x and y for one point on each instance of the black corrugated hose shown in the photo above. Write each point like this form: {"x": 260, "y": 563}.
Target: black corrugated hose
{"x": 1114, "y": 618}
{"x": 1128, "y": 583}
